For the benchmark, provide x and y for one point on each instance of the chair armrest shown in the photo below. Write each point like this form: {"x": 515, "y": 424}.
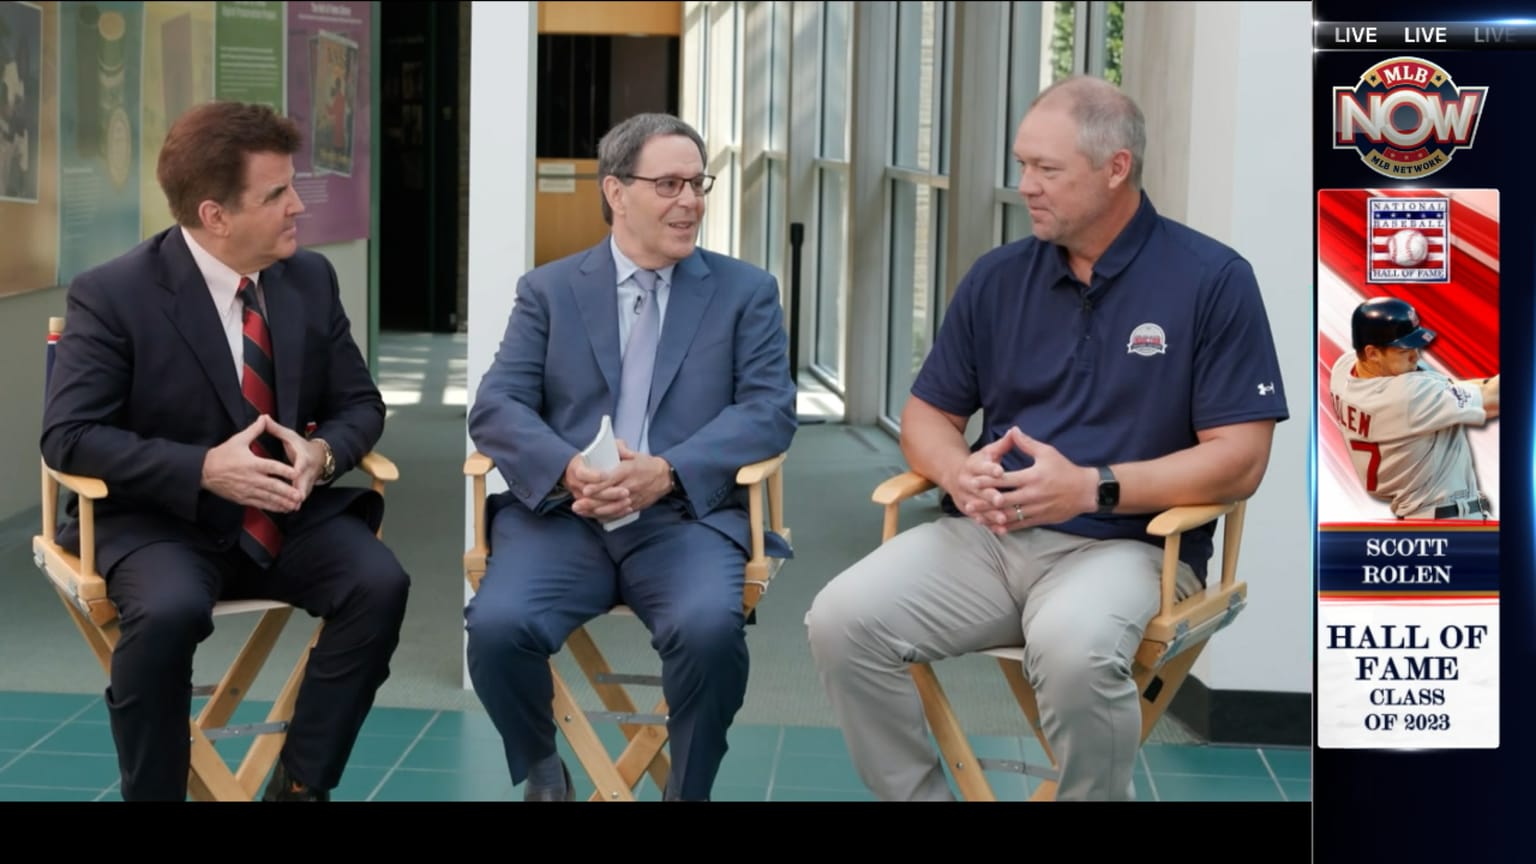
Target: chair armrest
{"x": 478, "y": 465}
{"x": 760, "y": 568}
{"x": 379, "y": 467}
{"x": 753, "y": 477}
{"x": 1171, "y": 525}
{"x": 75, "y": 577}
{"x": 1177, "y": 520}
{"x": 86, "y": 487}
{"x": 757, "y": 472}
{"x": 892, "y": 492}
{"x": 908, "y": 484}
{"x": 382, "y": 471}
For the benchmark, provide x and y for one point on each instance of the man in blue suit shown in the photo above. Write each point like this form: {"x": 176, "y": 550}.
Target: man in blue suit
{"x": 686, "y": 350}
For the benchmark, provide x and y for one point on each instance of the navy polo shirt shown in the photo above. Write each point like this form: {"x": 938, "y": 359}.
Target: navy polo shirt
{"x": 1169, "y": 338}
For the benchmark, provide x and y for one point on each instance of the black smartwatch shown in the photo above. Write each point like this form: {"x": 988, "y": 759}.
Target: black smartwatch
{"x": 1109, "y": 490}
{"x": 677, "y": 483}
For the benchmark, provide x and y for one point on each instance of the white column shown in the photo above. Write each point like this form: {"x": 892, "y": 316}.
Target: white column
{"x": 1226, "y": 88}
{"x": 503, "y": 59}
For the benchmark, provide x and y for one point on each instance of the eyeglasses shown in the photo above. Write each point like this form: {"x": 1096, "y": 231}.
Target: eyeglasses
{"x": 671, "y": 187}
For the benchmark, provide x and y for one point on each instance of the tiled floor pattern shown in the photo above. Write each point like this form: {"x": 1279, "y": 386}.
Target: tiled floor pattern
{"x": 58, "y": 747}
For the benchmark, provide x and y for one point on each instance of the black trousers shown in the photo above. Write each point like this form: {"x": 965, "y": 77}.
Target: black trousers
{"x": 336, "y": 570}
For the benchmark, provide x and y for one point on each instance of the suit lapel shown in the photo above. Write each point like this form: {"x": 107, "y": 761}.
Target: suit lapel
{"x": 594, "y": 287}
{"x": 285, "y": 320}
{"x": 191, "y": 310}
{"x": 689, "y": 297}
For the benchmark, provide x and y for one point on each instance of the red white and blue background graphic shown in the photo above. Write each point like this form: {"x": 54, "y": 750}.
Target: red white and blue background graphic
{"x": 1408, "y": 610}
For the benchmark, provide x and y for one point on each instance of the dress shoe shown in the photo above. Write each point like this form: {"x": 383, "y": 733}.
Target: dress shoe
{"x": 283, "y": 787}
{"x": 550, "y": 793}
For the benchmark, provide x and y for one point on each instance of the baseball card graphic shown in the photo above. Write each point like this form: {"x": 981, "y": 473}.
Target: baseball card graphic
{"x": 1408, "y": 467}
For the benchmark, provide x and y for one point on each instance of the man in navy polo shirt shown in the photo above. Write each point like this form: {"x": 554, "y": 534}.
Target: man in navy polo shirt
{"x": 1123, "y": 364}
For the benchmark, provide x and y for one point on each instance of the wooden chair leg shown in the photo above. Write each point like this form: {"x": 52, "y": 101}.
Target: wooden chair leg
{"x": 572, "y": 721}
{"x": 651, "y": 738}
{"x": 101, "y": 638}
{"x": 262, "y": 756}
{"x": 643, "y": 754}
{"x": 1024, "y": 694}
{"x": 956, "y": 750}
{"x": 1169, "y": 679}
{"x": 236, "y": 683}
{"x": 209, "y": 778}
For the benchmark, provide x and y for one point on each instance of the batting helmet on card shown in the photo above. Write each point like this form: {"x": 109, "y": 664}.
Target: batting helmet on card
{"x": 1388, "y": 322}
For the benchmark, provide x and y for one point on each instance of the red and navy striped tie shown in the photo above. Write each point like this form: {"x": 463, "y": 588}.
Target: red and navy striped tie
{"x": 259, "y": 535}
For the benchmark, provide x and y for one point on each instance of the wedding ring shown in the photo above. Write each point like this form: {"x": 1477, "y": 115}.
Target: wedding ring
{"x": 1018, "y": 512}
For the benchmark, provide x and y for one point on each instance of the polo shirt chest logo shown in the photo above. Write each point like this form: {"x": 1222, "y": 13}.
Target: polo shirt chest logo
{"x": 1146, "y": 340}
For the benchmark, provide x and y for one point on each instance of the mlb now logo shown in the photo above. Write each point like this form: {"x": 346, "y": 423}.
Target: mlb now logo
{"x": 1406, "y": 117}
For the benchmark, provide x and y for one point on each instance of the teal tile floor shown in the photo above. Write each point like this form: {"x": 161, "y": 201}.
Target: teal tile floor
{"x": 58, "y": 747}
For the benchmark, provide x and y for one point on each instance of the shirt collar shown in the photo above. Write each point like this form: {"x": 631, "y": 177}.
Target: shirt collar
{"x": 626, "y": 268}
{"x": 222, "y": 280}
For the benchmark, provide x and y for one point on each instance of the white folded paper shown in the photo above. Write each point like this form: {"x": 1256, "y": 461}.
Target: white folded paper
{"x": 603, "y": 454}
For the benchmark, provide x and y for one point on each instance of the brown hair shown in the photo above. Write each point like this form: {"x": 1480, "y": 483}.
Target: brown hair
{"x": 203, "y": 158}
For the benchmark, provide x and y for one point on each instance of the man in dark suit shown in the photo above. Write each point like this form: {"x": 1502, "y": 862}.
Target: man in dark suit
{"x": 186, "y": 368}
{"x": 686, "y": 350}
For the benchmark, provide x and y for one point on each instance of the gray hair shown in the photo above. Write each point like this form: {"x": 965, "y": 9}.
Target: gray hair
{"x": 620, "y": 148}
{"x": 1107, "y": 120}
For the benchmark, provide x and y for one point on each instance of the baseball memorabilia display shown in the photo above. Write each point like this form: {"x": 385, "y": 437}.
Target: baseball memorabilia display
{"x": 1408, "y": 468}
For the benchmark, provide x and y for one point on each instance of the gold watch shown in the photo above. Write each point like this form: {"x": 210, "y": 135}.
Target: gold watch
{"x": 328, "y": 470}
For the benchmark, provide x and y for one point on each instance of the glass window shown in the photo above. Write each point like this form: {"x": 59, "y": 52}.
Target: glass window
{"x": 774, "y": 238}
{"x": 920, "y": 36}
{"x": 836, "y": 50}
{"x": 1061, "y": 29}
{"x": 721, "y": 130}
{"x": 1026, "y": 71}
{"x": 1016, "y": 224}
{"x": 1114, "y": 40}
{"x": 832, "y": 287}
{"x": 916, "y": 221}
{"x": 778, "y": 65}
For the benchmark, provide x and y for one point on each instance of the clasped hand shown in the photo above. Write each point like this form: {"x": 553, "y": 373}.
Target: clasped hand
{"x": 640, "y": 481}
{"x": 233, "y": 472}
{"x": 1049, "y": 492}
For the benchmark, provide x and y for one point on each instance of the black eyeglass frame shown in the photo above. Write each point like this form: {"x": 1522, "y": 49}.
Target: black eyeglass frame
{"x": 701, "y": 184}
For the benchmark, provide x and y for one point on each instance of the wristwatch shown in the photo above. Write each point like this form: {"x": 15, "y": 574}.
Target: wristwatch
{"x": 328, "y": 470}
{"x": 677, "y": 483}
{"x": 1109, "y": 490}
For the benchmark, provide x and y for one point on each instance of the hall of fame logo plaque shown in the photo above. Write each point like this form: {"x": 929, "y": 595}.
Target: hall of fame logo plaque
{"x": 1408, "y": 240}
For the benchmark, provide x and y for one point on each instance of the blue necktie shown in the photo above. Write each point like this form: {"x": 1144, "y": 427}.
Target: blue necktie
{"x": 639, "y": 360}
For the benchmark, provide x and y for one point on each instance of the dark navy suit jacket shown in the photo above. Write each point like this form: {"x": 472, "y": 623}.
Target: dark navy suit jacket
{"x": 721, "y": 393}
{"x": 143, "y": 385}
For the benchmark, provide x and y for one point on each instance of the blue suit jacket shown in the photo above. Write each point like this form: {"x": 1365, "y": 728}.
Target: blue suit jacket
{"x": 721, "y": 394}
{"x": 143, "y": 386}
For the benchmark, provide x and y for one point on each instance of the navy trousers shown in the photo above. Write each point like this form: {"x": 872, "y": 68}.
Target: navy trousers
{"x": 164, "y": 592}
{"x": 549, "y": 574}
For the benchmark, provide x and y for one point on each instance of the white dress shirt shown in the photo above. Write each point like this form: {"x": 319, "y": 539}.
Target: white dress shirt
{"x": 224, "y": 285}
{"x": 629, "y": 294}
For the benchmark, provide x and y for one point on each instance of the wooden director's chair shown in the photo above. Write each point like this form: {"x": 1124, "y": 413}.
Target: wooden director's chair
{"x": 1173, "y": 640}
{"x": 84, "y": 593}
{"x": 646, "y": 734}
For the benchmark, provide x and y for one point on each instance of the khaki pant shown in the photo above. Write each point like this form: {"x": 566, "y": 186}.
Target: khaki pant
{"x": 1079, "y": 607}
